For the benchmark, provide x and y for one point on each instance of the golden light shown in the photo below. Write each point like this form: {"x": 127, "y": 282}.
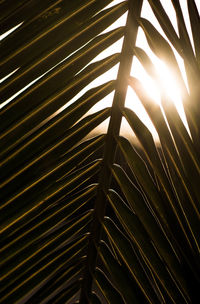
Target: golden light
{"x": 167, "y": 79}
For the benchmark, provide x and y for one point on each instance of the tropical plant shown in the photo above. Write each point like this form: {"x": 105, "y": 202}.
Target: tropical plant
{"x": 96, "y": 219}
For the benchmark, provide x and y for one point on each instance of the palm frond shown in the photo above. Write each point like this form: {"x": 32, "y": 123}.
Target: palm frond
{"x": 88, "y": 217}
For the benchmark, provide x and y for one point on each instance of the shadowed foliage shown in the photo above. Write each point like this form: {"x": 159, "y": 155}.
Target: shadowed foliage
{"x": 91, "y": 218}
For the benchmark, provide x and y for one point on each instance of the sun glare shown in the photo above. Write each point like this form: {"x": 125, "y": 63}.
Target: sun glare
{"x": 167, "y": 80}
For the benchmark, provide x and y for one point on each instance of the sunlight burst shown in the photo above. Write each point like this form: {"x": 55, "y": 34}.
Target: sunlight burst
{"x": 167, "y": 81}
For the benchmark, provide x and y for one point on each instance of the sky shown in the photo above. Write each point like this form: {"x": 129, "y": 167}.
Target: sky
{"x": 137, "y": 70}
